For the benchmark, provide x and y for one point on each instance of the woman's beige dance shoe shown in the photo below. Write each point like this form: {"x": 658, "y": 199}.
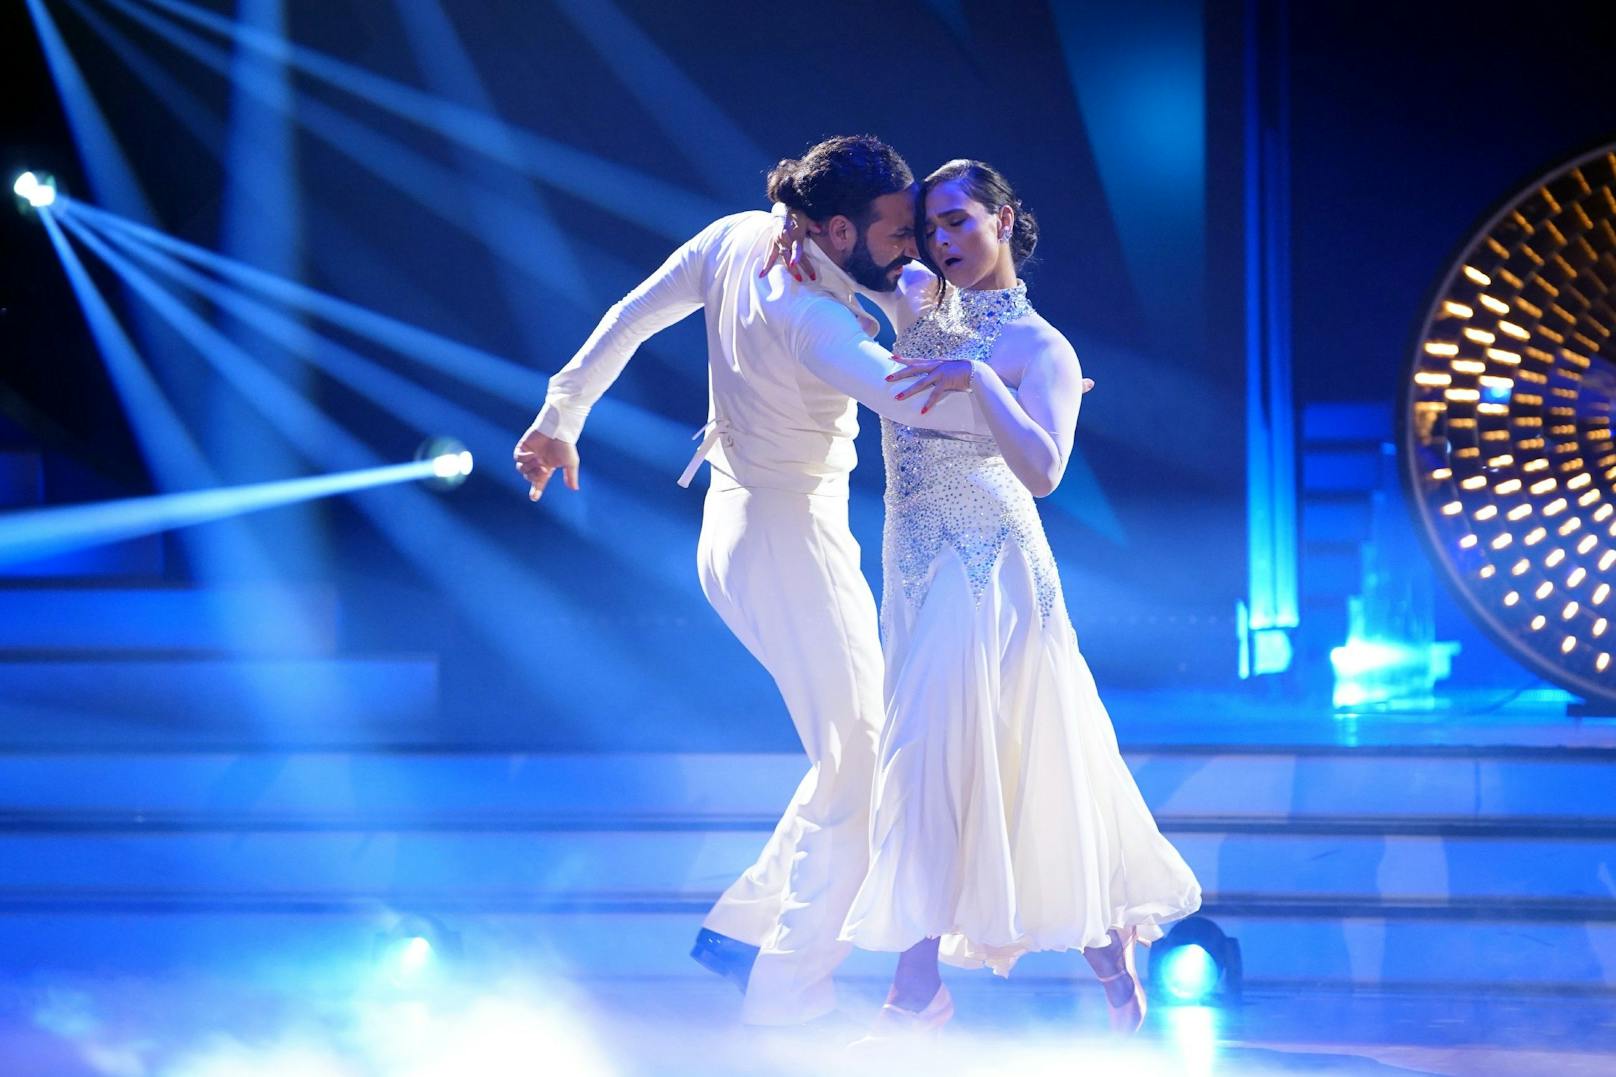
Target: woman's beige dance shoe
{"x": 895, "y": 1024}
{"x": 1128, "y": 1016}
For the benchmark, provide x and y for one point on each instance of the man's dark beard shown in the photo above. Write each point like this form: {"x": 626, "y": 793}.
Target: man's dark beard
{"x": 862, "y": 268}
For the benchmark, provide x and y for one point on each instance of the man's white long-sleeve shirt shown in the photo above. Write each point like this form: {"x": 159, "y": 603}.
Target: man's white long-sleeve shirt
{"x": 784, "y": 359}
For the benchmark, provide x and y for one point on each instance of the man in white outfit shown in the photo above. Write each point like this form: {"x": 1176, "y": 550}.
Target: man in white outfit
{"x": 787, "y": 359}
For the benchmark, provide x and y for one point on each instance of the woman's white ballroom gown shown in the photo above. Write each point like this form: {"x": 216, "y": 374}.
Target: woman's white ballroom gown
{"x": 1005, "y": 820}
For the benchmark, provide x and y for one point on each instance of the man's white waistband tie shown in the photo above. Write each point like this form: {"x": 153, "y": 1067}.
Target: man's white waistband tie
{"x": 709, "y": 435}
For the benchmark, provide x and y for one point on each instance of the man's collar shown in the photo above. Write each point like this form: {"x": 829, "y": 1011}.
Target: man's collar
{"x": 834, "y": 280}
{"x": 832, "y": 277}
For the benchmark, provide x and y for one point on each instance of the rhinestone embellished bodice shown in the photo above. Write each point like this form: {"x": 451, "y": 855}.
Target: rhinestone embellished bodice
{"x": 955, "y": 491}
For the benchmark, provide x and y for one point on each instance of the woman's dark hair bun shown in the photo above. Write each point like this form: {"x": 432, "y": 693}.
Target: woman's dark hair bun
{"x": 1024, "y": 235}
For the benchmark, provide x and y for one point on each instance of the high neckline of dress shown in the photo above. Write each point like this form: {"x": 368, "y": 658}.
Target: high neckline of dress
{"x": 993, "y": 304}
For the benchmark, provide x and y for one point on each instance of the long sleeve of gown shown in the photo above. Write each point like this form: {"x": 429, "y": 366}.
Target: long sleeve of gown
{"x": 673, "y": 292}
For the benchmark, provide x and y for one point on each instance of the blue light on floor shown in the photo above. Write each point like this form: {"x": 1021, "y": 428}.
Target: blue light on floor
{"x": 1190, "y": 1033}
{"x": 1189, "y": 974}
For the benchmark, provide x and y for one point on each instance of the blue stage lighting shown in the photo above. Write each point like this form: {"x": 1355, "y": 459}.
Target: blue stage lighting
{"x": 662, "y": 207}
{"x": 36, "y": 533}
{"x": 110, "y": 177}
{"x": 38, "y": 189}
{"x": 422, "y": 409}
{"x": 415, "y": 954}
{"x": 408, "y": 961}
{"x": 648, "y": 438}
{"x": 190, "y": 109}
{"x": 491, "y": 373}
{"x": 1189, "y": 974}
{"x": 412, "y": 521}
{"x": 450, "y": 460}
{"x": 1195, "y": 965}
{"x": 458, "y": 465}
{"x": 417, "y": 950}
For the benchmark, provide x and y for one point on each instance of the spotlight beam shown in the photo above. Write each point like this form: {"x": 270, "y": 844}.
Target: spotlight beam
{"x": 228, "y": 551}
{"x": 485, "y": 580}
{"x": 223, "y": 551}
{"x": 422, "y": 409}
{"x": 658, "y": 206}
{"x": 42, "y": 532}
{"x": 111, "y": 178}
{"x": 207, "y": 128}
{"x": 486, "y": 371}
{"x": 639, "y": 433}
{"x": 672, "y": 100}
{"x": 261, "y": 215}
{"x": 262, "y": 207}
{"x": 299, "y": 422}
{"x": 168, "y": 447}
{"x": 451, "y": 73}
{"x": 508, "y": 227}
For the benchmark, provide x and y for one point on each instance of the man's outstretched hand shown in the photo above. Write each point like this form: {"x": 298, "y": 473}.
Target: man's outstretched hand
{"x": 538, "y": 456}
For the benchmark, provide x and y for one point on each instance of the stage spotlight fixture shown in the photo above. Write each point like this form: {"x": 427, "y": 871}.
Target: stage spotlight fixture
{"x": 1505, "y": 425}
{"x": 38, "y": 189}
{"x": 451, "y": 462}
{"x": 1189, "y": 973}
{"x": 416, "y": 950}
{"x": 1196, "y": 964}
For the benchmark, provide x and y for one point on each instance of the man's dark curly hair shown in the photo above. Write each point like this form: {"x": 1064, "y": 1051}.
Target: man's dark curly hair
{"x": 840, "y": 176}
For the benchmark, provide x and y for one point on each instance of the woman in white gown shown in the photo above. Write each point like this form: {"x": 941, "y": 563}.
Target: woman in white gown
{"x": 1004, "y": 820}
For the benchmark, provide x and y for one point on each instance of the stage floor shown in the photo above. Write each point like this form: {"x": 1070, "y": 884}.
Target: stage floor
{"x": 197, "y": 913}
{"x": 200, "y": 1027}
{"x": 1532, "y": 717}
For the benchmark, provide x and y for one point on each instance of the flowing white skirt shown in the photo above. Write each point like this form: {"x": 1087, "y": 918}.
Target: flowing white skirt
{"x": 1005, "y": 820}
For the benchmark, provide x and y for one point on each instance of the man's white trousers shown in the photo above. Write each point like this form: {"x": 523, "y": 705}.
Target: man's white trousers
{"x": 782, "y": 570}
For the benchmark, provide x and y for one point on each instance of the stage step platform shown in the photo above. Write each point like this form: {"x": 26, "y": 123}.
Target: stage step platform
{"x": 49, "y": 616}
{"x": 175, "y": 700}
{"x": 1487, "y": 868}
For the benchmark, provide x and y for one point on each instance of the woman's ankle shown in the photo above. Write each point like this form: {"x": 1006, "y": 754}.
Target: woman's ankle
{"x": 915, "y": 991}
{"x": 916, "y": 980}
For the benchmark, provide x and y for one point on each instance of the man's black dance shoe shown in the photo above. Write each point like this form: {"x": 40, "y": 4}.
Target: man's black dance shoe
{"x": 727, "y": 957}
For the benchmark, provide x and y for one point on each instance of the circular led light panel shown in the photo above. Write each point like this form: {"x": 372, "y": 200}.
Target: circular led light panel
{"x": 1506, "y": 426}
